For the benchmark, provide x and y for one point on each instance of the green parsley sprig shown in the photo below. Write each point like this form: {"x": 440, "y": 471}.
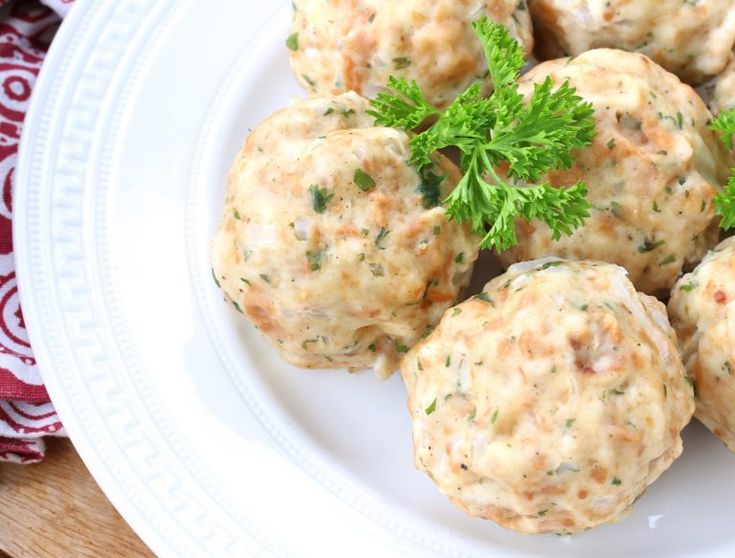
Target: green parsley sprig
{"x": 725, "y": 124}
{"x": 526, "y": 140}
{"x": 725, "y": 199}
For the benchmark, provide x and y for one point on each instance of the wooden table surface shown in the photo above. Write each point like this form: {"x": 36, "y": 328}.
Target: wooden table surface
{"x": 55, "y": 509}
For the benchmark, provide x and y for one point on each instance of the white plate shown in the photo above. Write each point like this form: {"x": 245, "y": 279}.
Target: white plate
{"x": 206, "y": 442}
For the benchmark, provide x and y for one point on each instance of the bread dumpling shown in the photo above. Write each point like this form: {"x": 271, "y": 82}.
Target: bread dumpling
{"x": 356, "y": 45}
{"x": 550, "y": 401}
{"x": 700, "y": 307}
{"x": 332, "y": 244}
{"x": 652, "y": 171}
{"x": 692, "y": 39}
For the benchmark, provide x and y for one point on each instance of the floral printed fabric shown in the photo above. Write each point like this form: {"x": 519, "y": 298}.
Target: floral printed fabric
{"x": 26, "y": 414}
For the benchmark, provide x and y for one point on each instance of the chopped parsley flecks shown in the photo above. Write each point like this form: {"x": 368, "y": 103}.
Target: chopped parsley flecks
{"x": 431, "y": 408}
{"x": 459, "y": 258}
{"x": 380, "y": 239}
{"x": 265, "y": 278}
{"x": 236, "y": 214}
{"x": 570, "y": 422}
{"x": 399, "y": 347}
{"x": 320, "y": 197}
{"x": 372, "y": 348}
{"x": 609, "y": 392}
{"x": 429, "y": 188}
{"x": 650, "y": 246}
{"x": 216, "y": 281}
{"x": 655, "y": 207}
{"x": 293, "y": 41}
{"x": 329, "y": 111}
{"x": 315, "y": 259}
{"x": 363, "y": 180}
{"x": 611, "y": 143}
{"x": 616, "y": 481}
{"x": 494, "y": 418}
{"x": 668, "y": 260}
{"x": 448, "y": 363}
{"x": 437, "y": 230}
{"x": 687, "y": 287}
{"x": 483, "y": 296}
{"x": 456, "y": 312}
{"x": 245, "y": 281}
{"x": 547, "y": 265}
{"x": 401, "y": 62}
{"x": 616, "y": 209}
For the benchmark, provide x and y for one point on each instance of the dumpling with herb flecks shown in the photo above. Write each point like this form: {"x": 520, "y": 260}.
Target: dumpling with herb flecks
{"x": 700, "y": 307}
{"x": 652, "y": 172}
{"x": 550, "y": 401}
{"x": 332, "y": 244}
{"x": 356, "y": 45}
{"x": 691, "y": 38}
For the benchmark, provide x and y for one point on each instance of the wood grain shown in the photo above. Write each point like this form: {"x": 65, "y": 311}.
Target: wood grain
{"x": 55, "y": 509}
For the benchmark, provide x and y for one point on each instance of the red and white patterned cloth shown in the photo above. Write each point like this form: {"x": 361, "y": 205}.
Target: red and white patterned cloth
{"x": 26, "y": 414}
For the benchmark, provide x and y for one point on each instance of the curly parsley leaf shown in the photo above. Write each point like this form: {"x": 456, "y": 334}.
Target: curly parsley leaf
{"x": 526, "y": 139}
{"x": 725, "y": 125}
{"x": 725, "y": 204}
{"x": 563, "y": 210}
{"x": 544, "y": 132}
{"x": 504, "y": 55}
{"x": 407, "y": 109}
{"x": 725, "y": 199}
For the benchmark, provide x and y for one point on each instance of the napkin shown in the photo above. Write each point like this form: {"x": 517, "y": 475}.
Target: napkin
{"x": 26, "y": 413}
